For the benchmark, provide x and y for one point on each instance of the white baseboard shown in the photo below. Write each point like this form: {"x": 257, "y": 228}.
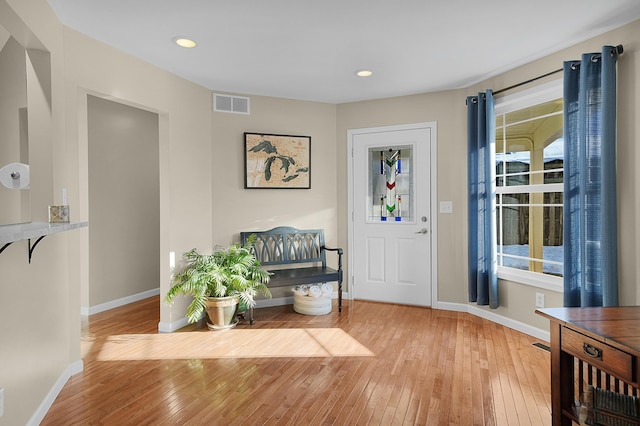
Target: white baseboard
{"x": 119, "y": 302}
{"x": 72, "y": 369}
{"x": 494, "y": 317}
{"x": 288, "y": 300}
{"x": 278, "y": 301}
{"x": 76, "y": 367}
{"x": 170, "y": 327}
{"x": 345, "y": 295}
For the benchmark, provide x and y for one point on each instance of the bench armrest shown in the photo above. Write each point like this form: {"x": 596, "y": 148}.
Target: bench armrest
{"x": 339, "y": 250}
{"x": 340, "y": 253}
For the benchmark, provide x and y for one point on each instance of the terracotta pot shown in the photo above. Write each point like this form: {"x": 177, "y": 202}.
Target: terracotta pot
{"x": 222, "y": 312}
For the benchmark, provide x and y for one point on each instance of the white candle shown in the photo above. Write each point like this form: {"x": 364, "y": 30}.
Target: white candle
{"x": 64, "y": 196}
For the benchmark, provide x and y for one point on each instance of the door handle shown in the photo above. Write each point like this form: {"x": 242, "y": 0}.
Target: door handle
{"x": 422, "y": 231}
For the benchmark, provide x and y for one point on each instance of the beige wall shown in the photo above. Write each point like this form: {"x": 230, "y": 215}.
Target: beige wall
{"x": 184, "y": 111}
{"x": 39, "y": 321}
{"x": 202, "y": 199}
{"x": 236, "y": 209}
{"x": 449, "y": 111}
{"x": 40, "y": 303}
{"x": 13, "y": 100}
{"x": 443, "y": 108}
{"x": 518, "y": 301}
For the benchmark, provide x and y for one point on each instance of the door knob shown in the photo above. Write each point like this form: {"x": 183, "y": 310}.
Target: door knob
{"x": 422, "y": 231}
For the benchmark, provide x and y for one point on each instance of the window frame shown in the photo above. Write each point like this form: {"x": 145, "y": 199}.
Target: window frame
{"x": 524, "y": 99}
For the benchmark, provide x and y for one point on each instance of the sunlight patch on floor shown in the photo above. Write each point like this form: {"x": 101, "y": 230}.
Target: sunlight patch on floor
{"x": 262, "y": 343}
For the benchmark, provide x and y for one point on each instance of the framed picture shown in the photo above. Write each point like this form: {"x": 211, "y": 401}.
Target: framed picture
{"x": 277, "y": 161}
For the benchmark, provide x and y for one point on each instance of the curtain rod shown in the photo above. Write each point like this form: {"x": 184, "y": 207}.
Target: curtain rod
{"x": 528, "y": 81}
{"x": 616, "y": 50}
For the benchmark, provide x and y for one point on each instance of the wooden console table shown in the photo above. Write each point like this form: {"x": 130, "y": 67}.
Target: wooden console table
{"x": 592, "y": 346}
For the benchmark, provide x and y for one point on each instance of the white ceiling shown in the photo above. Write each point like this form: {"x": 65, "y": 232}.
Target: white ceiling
{"x": 310, "y": 49}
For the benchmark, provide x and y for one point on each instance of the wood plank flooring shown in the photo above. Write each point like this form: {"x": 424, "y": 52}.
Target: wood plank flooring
{"x": 372, "y": 364}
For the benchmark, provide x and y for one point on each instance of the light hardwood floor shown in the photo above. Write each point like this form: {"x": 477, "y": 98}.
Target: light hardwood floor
{"x": 372, "y": 364}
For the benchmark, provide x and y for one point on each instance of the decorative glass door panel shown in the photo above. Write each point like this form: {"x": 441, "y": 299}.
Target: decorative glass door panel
{"x": 391, "y": 177}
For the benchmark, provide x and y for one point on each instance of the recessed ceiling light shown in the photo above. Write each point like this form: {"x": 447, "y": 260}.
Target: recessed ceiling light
{"x": 364, "y": 73}
{"x": 184, "y": 42}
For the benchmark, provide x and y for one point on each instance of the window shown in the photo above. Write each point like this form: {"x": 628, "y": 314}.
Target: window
{"x": 529, "y": 186}
{"x": 390, "y": 197}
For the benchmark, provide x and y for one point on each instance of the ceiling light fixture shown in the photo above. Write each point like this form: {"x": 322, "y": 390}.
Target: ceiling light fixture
{"x": 184, "y": 42}
{"x": 364, "y": 73}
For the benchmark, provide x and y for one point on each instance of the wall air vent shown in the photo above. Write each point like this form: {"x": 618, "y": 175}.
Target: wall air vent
{"x": 228, "y": 103}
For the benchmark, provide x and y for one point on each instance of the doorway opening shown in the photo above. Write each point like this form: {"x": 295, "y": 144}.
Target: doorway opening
{"x": 124, "y": 203}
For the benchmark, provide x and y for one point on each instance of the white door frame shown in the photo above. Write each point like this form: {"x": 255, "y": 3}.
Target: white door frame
{"x": 434, "y": 197}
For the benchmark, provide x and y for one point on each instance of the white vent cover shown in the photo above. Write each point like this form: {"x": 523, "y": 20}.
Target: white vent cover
{"x": 228, "y": 103}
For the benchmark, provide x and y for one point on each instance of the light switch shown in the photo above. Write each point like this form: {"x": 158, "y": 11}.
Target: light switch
{"x": 446, "y": 206}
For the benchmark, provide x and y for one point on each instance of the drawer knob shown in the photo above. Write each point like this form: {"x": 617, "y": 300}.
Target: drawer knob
{"x": 592, "y": 351}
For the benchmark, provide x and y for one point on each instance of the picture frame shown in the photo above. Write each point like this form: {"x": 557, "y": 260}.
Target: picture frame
{"x": 277, "y": 161}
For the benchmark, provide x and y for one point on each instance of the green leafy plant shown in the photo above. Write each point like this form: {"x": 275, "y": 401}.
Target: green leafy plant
{"x": 233, "y": 271}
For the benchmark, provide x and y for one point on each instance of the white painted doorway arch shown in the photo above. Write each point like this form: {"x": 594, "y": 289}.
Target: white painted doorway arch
{"x": 392, "y": 214}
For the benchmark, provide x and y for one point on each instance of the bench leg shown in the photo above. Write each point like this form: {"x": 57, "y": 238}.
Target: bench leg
{"x": 340, "y": 296}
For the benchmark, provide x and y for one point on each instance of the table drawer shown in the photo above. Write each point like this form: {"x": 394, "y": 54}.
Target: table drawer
{"x": 598, "y": 354}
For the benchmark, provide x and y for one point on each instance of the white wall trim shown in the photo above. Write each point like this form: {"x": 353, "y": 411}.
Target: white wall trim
{"x": 76, "y": 367}
{"x": 170, "y": 327}
{"x": 164, "y": 327}
{"x": 288, "y": 300}
{"x": 494, "y": 317}
{"x": 72, "y": 369}
{"x": 278, "y": 301}
{"x": 119, "y": 302}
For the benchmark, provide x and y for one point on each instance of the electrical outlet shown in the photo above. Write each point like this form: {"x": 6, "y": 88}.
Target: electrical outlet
{"x": 539, "y": 300}
{"x": 1, "y": 401}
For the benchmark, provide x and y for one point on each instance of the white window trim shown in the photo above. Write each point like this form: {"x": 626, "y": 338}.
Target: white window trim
{"x": 524, "y": 99}
{"x": 536, "y": 187}
{"x": 540, "y": 94}
{"x": 535, "y": 279}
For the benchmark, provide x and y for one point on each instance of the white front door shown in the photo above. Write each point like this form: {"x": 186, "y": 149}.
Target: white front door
{"x": 390, "y": 242}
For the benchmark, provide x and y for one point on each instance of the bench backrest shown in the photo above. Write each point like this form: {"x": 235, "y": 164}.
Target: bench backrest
{"x": 286, "y": 245}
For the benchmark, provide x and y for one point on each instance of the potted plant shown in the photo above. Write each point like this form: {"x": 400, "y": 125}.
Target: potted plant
{"x": 219, "y": 282}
